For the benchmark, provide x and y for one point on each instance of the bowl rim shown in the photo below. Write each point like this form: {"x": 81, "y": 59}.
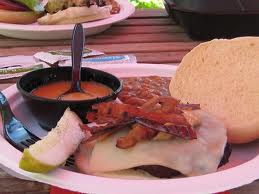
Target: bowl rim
{"x": 47, "y": 100}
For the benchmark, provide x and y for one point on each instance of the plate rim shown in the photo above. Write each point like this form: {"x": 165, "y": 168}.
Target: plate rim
{"x": 215, "y": 182}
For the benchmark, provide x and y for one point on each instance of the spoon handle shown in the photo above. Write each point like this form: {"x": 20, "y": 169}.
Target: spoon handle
{"x": 78, "y": 43}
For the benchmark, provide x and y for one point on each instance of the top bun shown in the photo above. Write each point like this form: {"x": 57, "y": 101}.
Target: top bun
{"x": 223, "y": 77}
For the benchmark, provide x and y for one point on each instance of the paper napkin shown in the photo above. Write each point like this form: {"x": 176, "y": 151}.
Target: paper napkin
{"x": 16, "y": 66}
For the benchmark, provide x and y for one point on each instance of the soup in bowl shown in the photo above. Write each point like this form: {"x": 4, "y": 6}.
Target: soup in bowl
{"x": 59, "y": 89}
{"x": 41, "y": 90}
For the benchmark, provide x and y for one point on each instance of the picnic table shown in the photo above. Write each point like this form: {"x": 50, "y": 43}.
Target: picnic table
{"x": 150, "y": 35}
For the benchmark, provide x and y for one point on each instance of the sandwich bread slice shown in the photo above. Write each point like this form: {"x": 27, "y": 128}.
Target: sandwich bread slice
{"x": 223, "y": 77}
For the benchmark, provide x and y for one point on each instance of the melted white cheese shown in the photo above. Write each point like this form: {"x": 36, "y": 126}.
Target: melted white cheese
{"x": 195, "y": 157}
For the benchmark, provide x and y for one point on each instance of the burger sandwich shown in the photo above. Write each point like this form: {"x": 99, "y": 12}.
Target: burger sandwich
{"x": 52, "y": 12}
{"x": 77, "y": 11}
{"x": 163, "y": 138}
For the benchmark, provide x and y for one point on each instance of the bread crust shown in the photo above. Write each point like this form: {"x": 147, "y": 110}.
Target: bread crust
{"x": 18, "y": 17}
{"x": 222, "y": 76}
{"x": 75, "y": 15}
{"x": 243, "y": 134}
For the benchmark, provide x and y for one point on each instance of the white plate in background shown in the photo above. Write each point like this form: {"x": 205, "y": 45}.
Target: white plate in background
{"x": 51, "y": 32}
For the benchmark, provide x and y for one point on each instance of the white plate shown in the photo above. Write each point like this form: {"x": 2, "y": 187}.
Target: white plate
{"x": 47, "y": 32}
{"x": 241, "y": 170}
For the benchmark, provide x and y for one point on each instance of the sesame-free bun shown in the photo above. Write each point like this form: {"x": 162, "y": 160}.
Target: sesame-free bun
{"x": 18, "y": 17}
{"x": 223, "y": 77}
{"x": 73, "y": 15}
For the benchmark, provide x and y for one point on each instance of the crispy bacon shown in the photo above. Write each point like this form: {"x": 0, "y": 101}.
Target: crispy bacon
{"x": 118, "y": 111}
{"x": 102, "y": 135}
{"x": 163, "y": 104}
{"x": 183, "y": 131}
{"x": 160, "y": 114}
{"x": 108, "y": 112}
{"x": 97, "y": 128}
{"x": 138, "y": 133}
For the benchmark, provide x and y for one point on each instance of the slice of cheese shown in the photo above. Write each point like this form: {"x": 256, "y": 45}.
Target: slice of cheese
{"x": 195, "y": 157}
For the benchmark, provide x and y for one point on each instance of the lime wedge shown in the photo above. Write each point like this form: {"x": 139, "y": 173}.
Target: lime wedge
{"x": 54, "y": 149}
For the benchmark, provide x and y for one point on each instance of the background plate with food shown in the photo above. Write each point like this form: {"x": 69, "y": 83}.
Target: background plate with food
{"x": 55, "y": 19}
{"x": 242, "y": 162}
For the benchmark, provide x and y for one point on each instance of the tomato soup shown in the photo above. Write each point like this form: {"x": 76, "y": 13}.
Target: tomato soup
{"x": 56, "y": 89}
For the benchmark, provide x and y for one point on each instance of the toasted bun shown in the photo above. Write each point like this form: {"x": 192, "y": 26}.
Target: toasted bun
{"x": 223, "y": 77}
{"x": 75, "y": 15}
{"x": 18, "y": 17}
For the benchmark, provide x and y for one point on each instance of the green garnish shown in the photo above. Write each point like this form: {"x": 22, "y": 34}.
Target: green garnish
{"x": 34, "y": 5}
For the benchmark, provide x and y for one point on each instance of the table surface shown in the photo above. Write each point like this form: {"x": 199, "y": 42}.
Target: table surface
{"x": 149, "y": 34}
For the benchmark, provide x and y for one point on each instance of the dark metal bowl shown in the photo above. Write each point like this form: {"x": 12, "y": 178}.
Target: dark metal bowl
{"x": 48, "y": 111}
{"x": 209, "y": 19}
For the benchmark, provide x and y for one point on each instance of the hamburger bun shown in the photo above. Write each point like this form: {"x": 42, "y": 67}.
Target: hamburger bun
{"x": 223, "y": 77}
{"x": 18, "y": 17}
{"x": 73, "y": 15}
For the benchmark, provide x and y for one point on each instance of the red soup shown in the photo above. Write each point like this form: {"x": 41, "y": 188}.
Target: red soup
{"x": 56, "y": 89}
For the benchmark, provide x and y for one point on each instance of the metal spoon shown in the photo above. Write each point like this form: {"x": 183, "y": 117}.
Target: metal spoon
{"x": 77, "y": 49}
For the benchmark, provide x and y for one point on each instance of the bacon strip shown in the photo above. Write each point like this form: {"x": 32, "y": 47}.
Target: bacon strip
{"x": 138, "y": 133}
{"x": 98, "y": 128}
{"x": 123, "y": 111}
{"x": 160, "y": 114}
{"x": 185, "y": 132}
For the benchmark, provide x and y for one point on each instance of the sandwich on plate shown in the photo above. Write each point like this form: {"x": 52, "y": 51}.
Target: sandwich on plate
{"x": 163, "y": 138}
{"x": 53, "y": 12}
{"x": 77, "y": 11}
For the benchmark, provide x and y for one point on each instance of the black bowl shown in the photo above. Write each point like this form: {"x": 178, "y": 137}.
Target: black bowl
{"x": 48, "y": 111}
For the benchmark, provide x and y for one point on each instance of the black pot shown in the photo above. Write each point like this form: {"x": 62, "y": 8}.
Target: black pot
{"x": 49, "y": 111}
{"x": 209, "y": 19}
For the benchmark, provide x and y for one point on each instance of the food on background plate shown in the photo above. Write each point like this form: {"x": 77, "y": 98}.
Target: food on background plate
{"x": 52, "y": 12}
{"x": 54, "y": 149}
{"x": 222, "y": 76}
{"x": 55, "y": 89}
{"x": 20, "y": 11}
{"x": 80, "y": 11}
